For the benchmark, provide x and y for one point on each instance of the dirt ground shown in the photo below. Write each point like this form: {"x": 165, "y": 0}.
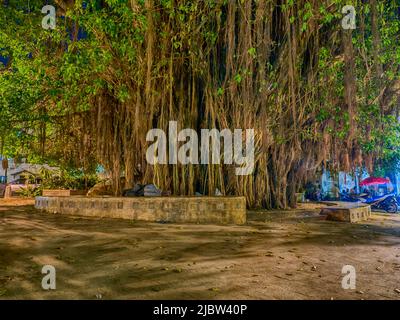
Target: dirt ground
{"x": 295, "y": 255}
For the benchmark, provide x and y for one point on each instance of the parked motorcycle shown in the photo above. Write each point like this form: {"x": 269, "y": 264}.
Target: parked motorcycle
{"x": 387, "y": 203}
{"x": 349, "y": 197}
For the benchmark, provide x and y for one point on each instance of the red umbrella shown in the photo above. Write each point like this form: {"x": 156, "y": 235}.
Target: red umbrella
{"x": 374, "y": 181}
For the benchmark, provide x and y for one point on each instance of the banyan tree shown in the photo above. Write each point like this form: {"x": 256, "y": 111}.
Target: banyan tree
{"x": 317, "y": 94}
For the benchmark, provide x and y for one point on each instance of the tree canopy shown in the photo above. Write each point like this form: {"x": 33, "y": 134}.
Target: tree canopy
{"x": 316, "y": 94}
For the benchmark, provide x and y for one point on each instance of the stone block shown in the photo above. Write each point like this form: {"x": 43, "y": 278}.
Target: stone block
{"x": 351, "y": 213}
{"x": 63, "y": 193}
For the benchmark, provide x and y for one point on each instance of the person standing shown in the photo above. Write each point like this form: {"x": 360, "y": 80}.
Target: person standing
{"x": 335, "y": 192}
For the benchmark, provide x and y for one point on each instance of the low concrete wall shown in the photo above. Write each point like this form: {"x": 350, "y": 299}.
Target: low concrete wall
{"x": 219, "y": 210}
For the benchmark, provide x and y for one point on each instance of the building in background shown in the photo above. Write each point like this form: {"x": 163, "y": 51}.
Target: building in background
{"x": 350, "y": 183}
{"x": 20, "y": 173}
{"x": 26, "y": 172}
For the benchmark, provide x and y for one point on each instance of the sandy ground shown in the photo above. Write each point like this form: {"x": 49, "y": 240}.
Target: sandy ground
{"x": 276, "y": 256}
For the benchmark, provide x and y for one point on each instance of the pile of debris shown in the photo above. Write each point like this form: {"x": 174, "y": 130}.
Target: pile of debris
{"x": 141, "y": 190}
{"x": 104, "y": 188}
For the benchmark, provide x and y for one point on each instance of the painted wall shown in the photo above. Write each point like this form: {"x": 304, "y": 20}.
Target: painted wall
{"x": 11, "y": 167}
{"x": 344, "y": 181}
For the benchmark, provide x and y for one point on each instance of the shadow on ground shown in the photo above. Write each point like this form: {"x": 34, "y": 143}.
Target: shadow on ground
{"x": 282, "y": 257}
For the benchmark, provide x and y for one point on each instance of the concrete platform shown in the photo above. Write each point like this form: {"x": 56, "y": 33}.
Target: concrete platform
{"x": 347, "y": 211}
{"x": 215, "y": 210}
